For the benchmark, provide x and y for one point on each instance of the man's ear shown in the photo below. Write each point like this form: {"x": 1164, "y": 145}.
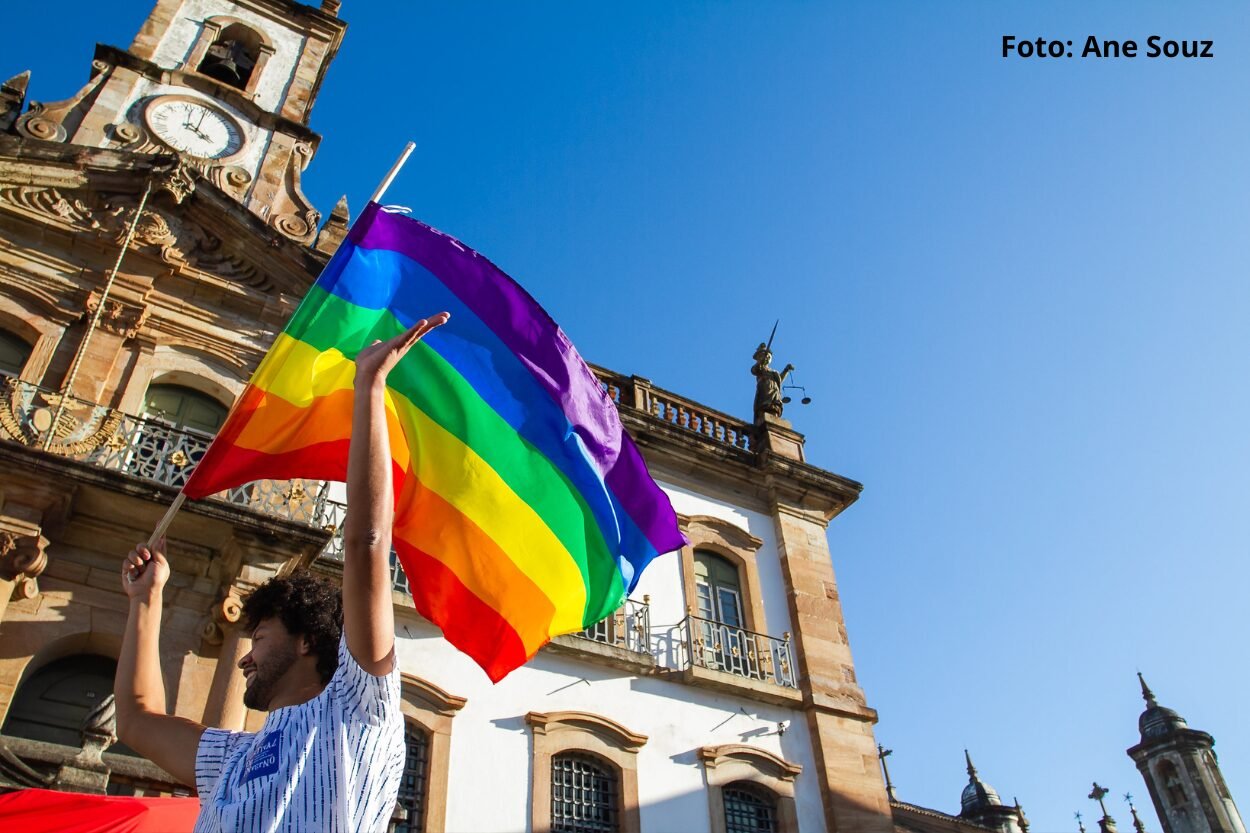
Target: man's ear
{"x": 305, "y": 647}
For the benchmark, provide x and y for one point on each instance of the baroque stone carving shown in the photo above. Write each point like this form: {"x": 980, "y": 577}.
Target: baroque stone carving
{"x": 118, "y": 317}
{"x": 301, "y": 223}
{"x": 177, "y": 241}
{"x": 35, "y": 125}
{"x": 178, "y": 181}
{"x": 22, "y": 556}
{"x": 51, "y": 203}
{"x": 232, "y": 179}
{"x": 224, "y": 614}
{"x": 27, "y": 415}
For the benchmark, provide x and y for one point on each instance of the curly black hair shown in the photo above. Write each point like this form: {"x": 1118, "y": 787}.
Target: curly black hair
{"x": 308, "y": 606}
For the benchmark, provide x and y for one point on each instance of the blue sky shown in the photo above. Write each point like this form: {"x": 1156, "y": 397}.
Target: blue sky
{"x": 1015, "y": 290}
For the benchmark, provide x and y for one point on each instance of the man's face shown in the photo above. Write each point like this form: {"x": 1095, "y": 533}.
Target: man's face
{"x": 274, "y": 651}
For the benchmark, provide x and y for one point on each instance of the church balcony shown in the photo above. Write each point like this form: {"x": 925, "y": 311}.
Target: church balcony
{"x": 148, "y": 448}
{"x": 629, "y": 627}
{"x": 730, "y": 658}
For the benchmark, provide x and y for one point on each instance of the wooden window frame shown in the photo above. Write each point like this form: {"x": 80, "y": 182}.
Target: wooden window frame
{"x": 735, "y": 545}
{"x": 432, "y": 709}
{"x": 734, "y": 763}
{"x": 555, "y": 733}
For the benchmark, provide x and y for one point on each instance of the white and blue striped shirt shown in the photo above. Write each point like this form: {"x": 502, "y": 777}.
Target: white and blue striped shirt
{"x": 333, "y": 763}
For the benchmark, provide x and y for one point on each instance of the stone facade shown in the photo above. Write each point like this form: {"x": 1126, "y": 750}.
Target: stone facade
{"x": 128, "y": 263}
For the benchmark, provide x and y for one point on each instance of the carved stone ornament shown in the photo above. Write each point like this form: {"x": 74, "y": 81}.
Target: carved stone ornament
{"x": 27, "y": 413}
{"x": 232, "y": 179}
{"x": 178, "y": 181}
{"x": 176, "y": 240}
{"x": 35, "y": 125}
{"x": 50, "y": 202}
{"x": 118, "y": 317}
{"x": 300, "y": 223}
{"x": 225, "y": 614}
{"x": 22, "y": 556}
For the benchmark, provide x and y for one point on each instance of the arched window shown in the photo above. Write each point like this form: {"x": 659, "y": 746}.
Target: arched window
{"x": 749, "y": 809}
{"x": 232, "y": 57}
{"x": 718, "y": 588}
{"x": 184, "y": 407}
{"x": 1171, "y": 782}
{"x": 13, "y": 354}
{"x": 412, "y": 786}
{"x": 584, "y": 795}
{"x": 52, "y": 705}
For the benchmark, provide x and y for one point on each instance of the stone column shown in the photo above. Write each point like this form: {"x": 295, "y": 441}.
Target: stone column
{"x": 223, "y": 708}
{"x": 838, "y": 717}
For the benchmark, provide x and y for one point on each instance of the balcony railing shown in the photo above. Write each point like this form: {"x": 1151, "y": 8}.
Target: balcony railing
{"x": 628, "y": 628}
{"x": 631, "y": 393}
{"x": 754, "y": 656}
{"x": 149, "y": 448}
{"x": 152, "y": 449}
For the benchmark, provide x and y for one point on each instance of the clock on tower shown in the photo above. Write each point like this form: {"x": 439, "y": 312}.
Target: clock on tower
{"x": 227, "y": 85}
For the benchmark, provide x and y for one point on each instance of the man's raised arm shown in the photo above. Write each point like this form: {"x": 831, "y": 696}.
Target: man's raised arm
{"x": 368, "y": 618}
{"x": 139, "y": 688}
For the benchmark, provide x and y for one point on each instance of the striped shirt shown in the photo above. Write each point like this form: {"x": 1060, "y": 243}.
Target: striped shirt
{"x": 333, "y": 763}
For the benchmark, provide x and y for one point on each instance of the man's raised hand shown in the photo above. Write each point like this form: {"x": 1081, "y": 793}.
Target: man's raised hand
{"x": 145, "y": 571}
{"x": 375, "y": 361}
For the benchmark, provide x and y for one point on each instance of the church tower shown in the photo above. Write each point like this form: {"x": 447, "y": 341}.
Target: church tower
{"x": 228, "y": 85}
{"x": 1182, "y": 773}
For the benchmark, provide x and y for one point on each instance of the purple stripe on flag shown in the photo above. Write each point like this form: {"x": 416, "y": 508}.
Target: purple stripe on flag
{"x": 528, "y": 331}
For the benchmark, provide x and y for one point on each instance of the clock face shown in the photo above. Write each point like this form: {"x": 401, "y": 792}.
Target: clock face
{"x": 194, "y": 128}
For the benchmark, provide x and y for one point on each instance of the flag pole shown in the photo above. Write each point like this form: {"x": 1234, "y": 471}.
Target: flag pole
{"x": 393, "y": 172}
{"x": 181, "y": 497}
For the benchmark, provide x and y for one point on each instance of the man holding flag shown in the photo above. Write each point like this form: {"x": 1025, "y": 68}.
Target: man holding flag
{"x": 331, "y": 752}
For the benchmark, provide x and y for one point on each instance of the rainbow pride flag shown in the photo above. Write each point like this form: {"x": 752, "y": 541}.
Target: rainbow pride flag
{"x": 523, "y": 509}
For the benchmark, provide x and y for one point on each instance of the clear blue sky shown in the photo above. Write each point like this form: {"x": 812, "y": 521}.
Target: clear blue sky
{"x": 1015, "y": 289}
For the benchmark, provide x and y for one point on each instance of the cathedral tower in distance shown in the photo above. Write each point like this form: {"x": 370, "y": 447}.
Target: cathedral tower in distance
{"x": 1182, "y": 773}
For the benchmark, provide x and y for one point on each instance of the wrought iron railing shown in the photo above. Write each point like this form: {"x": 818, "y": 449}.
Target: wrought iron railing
{"x": 146, "y": 447}
{"x": 755, "y": 656}
{"x": 629, "y": 627}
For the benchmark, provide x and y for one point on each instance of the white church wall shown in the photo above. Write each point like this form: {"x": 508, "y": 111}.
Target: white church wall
{"x": 491, "y": 752}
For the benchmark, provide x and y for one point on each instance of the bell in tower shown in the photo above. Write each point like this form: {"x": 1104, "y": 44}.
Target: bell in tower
{"x": 1182, "y": 773}
{"x": 232, "y": 57}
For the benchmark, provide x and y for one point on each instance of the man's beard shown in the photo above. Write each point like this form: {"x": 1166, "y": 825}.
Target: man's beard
{"x": 260, "y": 692}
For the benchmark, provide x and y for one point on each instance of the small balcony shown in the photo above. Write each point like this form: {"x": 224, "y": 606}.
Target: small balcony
{"x": 730, "y": 652}
{"x": 151, "y": 449}
{"x": 628, "y": 628}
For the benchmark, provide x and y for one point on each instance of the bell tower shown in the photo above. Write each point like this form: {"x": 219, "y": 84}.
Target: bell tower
{"x": 1182, "y": 773}
{"x": 227, "y": 85}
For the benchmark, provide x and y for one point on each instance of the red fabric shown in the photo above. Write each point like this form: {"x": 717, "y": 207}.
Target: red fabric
{"x": 49, "y": 811}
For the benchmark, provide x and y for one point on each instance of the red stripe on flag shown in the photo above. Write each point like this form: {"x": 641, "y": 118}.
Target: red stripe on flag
{"x": 467, "y": 622}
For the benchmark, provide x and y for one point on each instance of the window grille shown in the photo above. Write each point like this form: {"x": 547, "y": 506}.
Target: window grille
{"x": 746, "y": 811}
{"x": 584, "y": 796}
{"x": 412, "y": 784}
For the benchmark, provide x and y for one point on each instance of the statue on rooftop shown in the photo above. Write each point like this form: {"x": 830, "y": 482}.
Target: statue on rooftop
{"x": 768, "y": 383}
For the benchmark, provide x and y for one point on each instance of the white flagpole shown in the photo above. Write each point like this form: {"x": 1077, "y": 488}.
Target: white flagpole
{"x": 377, "y": 195}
